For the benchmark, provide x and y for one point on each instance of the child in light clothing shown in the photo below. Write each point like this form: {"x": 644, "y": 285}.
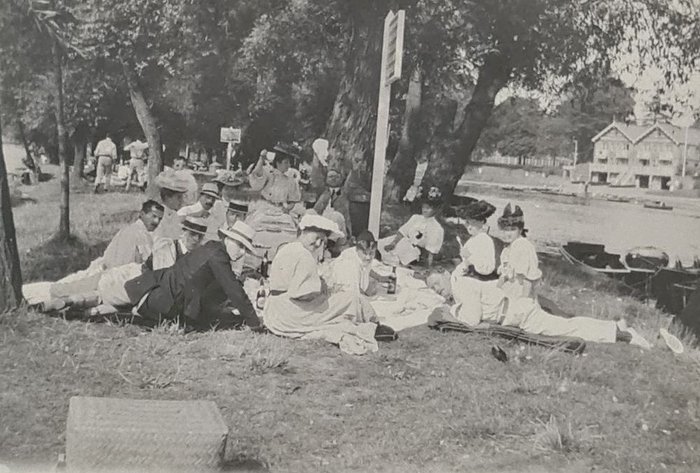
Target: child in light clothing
{"x": 421, "y": 232}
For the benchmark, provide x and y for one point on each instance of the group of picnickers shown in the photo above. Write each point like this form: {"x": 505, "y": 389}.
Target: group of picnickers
{"x": 193, "y": 262}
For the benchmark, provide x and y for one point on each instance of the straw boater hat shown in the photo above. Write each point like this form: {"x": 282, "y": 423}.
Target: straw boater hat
{"x": 194, "y": 225}
{"x": 210, "y": 189}
{"x": 478, "y": 211}
{"x": 511, "y": 219}
{"x": 314, "y": 221}
{"x": 240, "y": 232}
{"x": 168, "y": 181}
{"x": 238, "y": 206}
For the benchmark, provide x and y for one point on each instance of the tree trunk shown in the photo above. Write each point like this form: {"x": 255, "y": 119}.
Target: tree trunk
{"x": 64, "y": 225}
{"x": 28, "y": 152}
{"x": 80, "y": 139}
{"x": 149, "y": 125}
{"x": 79, "y": 146}
{"x": 445, "y": 169}
{"x": 10, "y": 274}
{"x": 354, "y": 119}
{"x": 403, "y": 167}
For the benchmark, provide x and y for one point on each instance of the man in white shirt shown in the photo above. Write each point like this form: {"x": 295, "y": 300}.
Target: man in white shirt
{"x": 106, "y": 155}
{"x": 134, "y": 243}
{"x": 172, "y": 190}
{"x": 202, "y": 208}
{"x": 137, "y": 162}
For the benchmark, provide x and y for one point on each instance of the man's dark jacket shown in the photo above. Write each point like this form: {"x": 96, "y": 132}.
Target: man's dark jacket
{"x": 192, "y": 287}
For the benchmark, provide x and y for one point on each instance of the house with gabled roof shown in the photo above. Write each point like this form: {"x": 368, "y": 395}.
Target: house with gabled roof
{"x": 649, "y": 156}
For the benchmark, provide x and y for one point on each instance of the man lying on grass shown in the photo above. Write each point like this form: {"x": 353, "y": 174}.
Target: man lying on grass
{"x": 200, "y": 290}
{"x": 508, "y": 297}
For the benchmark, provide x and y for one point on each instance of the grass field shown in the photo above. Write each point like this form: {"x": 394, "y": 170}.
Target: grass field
{"x": 426, "y": 403}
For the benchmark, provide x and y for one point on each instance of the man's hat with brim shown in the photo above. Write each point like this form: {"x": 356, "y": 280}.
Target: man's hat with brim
{"x": 210, "y": 189}
{"x": 238, "y": 206}
{"x": 194, "y": 225}
{"x": 240, "y": 232}
{"x": 313, "y": 221}
{"x": 168, "y": 181}
{"x": 478, "y": 211}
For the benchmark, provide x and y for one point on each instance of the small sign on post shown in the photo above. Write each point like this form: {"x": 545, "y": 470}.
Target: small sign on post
{"x": 392, "y": 58}
{"x": 229, "y": 135}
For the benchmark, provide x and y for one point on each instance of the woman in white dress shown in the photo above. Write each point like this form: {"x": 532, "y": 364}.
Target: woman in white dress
{"x": 422, "y": 232}
{"x": 301, "y": 304}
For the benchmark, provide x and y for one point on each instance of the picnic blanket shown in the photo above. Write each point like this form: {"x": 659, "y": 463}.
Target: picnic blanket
{"x": 410, "y": 306}
{"x": 442, "y": 321}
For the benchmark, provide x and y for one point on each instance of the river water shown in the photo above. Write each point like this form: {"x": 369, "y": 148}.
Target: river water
{"x": 554, "y": 220}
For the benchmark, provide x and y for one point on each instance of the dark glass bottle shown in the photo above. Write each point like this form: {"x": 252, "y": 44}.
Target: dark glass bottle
{"x": 261, "y": 296}
{"x": 391, "y": 286}
{"x": 265, "y": 266}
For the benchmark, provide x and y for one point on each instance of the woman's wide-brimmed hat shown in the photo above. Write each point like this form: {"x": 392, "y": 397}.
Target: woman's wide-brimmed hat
{"x": 317, "y": 222}
{"x": 511, "y": 219}
{"x": 240, "y": 232}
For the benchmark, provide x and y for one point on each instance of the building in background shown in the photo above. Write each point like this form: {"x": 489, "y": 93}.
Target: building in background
{"x": 651, "y": 156}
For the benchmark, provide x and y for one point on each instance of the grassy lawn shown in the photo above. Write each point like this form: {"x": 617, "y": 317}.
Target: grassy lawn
{"x": 428, "y": 402}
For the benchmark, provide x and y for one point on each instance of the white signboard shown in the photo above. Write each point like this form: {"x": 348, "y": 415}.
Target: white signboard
{"x": 392, "y": 54}
{"x": 230, "y": 135}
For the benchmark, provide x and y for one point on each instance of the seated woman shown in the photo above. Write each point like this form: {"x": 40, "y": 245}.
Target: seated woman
{"x": 301, "y": 304}
{"x": 516, "y": 306}
{"x": 352, "y": 270}
{"x": 422, "y": 233}
{"x": 475, "y": 280}
{"x": 270, "y": 215}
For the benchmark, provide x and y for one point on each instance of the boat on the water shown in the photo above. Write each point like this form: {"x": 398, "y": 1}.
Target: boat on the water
{"x": 658, "y": 205}
{"x": 646, "y": 259}
{"x": 592, "y": 257}
{"x": 617, "y": 198}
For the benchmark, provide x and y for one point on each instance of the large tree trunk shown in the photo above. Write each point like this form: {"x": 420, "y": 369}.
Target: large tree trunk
{"x": 354, "y": 119}
{"x": 149, "y": 125}
{"x": 403, "y": 167}
{"x": 64, "y": 225}
{"x": 445, "y": 168}
{"x": 353, "y": 122}
{"x": 10, "y": 275}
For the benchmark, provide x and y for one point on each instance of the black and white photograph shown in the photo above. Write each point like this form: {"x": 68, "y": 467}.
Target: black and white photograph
{"x": 349, "y": 236}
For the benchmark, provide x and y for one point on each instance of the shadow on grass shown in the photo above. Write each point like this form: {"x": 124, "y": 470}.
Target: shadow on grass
{"x": 243, "y": 465}
{"x": 58, "y": 257}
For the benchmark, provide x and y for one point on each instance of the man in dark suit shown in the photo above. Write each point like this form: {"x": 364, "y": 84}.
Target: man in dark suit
{"x": 200, "y": 289}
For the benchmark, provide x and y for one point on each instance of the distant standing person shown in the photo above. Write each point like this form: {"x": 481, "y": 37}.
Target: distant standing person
{"x": 137, "y": 163}
{"x": 106, "y": 154}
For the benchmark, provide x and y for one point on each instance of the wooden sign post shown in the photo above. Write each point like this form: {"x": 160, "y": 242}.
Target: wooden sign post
{"x": 392, "y": 56}
{"x": 230, "y": 136}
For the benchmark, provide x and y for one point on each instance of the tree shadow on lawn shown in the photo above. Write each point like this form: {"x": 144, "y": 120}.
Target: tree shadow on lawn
{"x": 57, "y": 258}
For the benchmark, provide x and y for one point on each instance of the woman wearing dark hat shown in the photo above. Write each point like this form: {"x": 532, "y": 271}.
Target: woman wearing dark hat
{"x": 475, "y": 280}
{"x": 519, "y": 274}
{"x": 421, "y": 232}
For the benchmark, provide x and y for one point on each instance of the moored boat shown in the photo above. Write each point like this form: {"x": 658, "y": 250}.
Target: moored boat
{"x": 593, "y": 258}
{"x": 658, "y": 205}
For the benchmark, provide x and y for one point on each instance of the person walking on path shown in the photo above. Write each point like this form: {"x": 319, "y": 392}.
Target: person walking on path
{"x": 106, "y": 154}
